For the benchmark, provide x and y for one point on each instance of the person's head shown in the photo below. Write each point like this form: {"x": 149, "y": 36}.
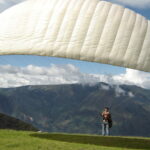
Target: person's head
{"x": 106, "y": 109}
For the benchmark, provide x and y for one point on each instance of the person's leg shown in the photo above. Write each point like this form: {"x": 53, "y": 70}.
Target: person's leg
{"x": 103, "y": 129}
{"x": 107, "y": 129}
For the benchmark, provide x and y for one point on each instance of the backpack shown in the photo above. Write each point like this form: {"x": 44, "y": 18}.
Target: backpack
{"x": 110, "y": 122}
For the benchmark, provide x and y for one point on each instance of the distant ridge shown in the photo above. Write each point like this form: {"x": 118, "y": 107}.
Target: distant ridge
{"x": 75, "y": 108}
{"x": 7, "y": 122}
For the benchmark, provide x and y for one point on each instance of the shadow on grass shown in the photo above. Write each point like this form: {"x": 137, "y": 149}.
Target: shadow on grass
{"x": 122, "y": 142}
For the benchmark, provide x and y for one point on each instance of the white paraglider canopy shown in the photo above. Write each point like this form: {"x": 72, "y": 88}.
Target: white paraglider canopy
{"x": 90, "y": 30}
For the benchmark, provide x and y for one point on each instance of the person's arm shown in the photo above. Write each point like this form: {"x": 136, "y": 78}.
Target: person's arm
{"x": 102, "y": 114}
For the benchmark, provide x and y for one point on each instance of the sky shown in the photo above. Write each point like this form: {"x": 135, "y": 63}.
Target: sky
{"x": 36, "y": 70}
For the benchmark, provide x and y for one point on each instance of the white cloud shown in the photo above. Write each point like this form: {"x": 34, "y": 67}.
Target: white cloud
{"x": 11, "y": 76}
{"x": 133, "y": 77}
{"x": 133, "y": 3}
{"x": 105, "y": 87}
{"x": 130, "y": 94}
{"x": 119, "y": 91}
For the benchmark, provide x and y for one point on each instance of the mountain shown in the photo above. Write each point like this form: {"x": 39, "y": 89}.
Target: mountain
{"x": 7, "y": 122}
{"x": 75, "y": 108}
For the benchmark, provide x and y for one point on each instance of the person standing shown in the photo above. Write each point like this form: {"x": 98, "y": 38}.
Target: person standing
{"x": 106, "y": 121}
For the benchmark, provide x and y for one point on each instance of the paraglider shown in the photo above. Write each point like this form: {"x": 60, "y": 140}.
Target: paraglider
{"x": 90, "y": 30}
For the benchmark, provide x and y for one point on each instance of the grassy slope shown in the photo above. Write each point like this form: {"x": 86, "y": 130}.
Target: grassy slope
{"x": 19, "y": 140}
{"x": 8, "y": 122}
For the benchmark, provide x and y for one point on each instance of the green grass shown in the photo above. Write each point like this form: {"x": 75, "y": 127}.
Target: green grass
{"x": 20, "y": 140}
